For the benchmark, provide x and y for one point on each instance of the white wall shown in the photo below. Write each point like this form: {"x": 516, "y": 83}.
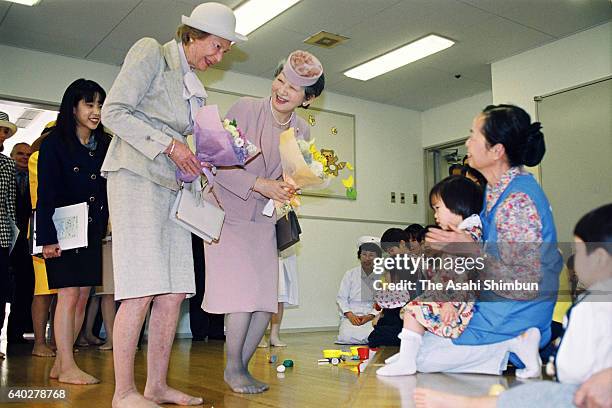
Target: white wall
{"x": 571, "y": 61}
{"x": 44, "y": 77}
{"x": 452, "y": 121}
{"x": 389, "y": 158}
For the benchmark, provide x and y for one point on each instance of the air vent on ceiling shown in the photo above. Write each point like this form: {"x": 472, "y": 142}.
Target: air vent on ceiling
{"x": 27, "y": 117}
{"x": 324, "y": 39}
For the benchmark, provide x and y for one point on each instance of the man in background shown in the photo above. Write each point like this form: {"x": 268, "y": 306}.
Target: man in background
{"x": 20, "y": 319}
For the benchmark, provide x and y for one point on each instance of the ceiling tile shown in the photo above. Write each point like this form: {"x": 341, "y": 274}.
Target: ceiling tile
{"x": 4, "y": 7}
{"x": 555, "y": 17}
{"x": 408, "y": 21}
{"x": 68, "y": 45}
{"x": 310, "y": 16}
{"x": 158, "y": 19}
{"x": 498, "y": 38}
{"x": 109, "y": 54}
{"x": 443, "y": 89}
{"x": 72, "y": 28}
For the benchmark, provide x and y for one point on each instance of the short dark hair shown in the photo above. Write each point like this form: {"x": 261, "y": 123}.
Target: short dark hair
{"x": 511, "y": 127}
{"x": 460, "y": 195}
{"x": 370, "y": 247}
{"x": 310, "y": 91}
{"x": 81, "y": 89}
{"x": 392, "y": 237}
{"x": 595, "y": 229}
{"x": 413, "y": 231}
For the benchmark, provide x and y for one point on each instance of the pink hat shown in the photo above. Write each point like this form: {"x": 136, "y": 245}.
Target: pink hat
{"x": 302, "y": 68}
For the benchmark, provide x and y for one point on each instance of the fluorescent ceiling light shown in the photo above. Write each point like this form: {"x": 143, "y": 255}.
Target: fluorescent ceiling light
{"x": 399, "y": 57}
{"x": 25, "y": 2}
{"x": 254, "y": 13}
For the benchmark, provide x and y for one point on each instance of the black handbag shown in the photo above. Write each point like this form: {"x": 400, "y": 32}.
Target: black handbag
{"x": 287, "y": 231}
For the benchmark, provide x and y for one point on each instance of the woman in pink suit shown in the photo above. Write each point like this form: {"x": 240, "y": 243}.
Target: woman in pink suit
{"x": 242, "y": 267}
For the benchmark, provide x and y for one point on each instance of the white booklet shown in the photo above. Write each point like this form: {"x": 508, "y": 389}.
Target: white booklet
{"x": 71, "y": 224}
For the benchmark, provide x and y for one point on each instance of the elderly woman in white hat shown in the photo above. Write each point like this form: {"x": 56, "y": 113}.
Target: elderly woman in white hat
{"x": 150, "y": 108}
{"x": 7, "y": 209}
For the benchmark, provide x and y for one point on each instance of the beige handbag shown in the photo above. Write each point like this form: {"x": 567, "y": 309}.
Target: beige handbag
{"x": 192, "y": 212}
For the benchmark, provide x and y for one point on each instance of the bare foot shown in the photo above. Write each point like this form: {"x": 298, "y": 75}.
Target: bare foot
{"x": 133, "y": 400}
{"x": 171, "y": 396}
{"x": 106, "y": 346}
{"x": 54, "y": 374}
{"x": 426, "y": 398}
{"x": 264, "y": 343}
{"x": 81, "y": 342}
{"x": 41, "y": 350}
{"x": 276, "y": 342}
{"x": 77, "y": 376}
{"x": 242, "y": 383}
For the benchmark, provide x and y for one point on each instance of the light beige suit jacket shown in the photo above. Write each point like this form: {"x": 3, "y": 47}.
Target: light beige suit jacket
{"x": 145, "y": 109}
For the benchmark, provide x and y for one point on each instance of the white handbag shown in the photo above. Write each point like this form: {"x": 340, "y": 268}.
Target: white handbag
{"x": 192, "y": 212}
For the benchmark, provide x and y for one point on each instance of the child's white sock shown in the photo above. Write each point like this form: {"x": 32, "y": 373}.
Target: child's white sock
{"x": 526, "y": 347}
{"x": 406, "y": 363}
{"x": 392, "y": 359}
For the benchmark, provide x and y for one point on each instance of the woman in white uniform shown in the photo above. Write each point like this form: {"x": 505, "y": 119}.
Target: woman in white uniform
{"x": 356, "y": 296}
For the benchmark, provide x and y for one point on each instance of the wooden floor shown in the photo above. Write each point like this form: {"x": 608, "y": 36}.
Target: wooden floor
{"x": 197, "y": 368}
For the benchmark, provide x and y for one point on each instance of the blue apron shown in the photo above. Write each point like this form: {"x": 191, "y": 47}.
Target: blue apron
{"x": 497, "y": 319}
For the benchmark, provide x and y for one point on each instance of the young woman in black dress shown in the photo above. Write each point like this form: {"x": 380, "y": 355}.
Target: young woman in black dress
{"x": 69, "y": 173}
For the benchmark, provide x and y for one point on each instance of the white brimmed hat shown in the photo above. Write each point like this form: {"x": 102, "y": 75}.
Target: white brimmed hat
{"x": 214, "y": 18}
{"x": 5, "y": 122}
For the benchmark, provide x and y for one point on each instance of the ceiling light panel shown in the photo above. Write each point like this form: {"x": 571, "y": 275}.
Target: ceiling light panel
{"x": 25, "y": 2}
{"x": 252, "y": 14}
{"x": 399, "y": 57}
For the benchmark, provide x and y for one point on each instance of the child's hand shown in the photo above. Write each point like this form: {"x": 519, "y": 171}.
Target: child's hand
{"x": 455, "y": 241}
{"x": 448, "y": 314}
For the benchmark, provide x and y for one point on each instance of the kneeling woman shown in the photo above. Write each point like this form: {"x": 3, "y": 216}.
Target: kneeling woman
{"x": 69, "y": 173}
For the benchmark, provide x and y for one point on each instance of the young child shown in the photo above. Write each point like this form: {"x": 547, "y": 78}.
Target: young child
{"x": 584, "y": 355}
{"x": 456, "y": 201}
{"x": 415, "y": 237}
{"x": 395, "y": 242}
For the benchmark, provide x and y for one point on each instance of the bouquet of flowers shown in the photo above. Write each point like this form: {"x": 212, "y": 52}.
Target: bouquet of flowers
{"x": 218, "y": 143}
{"x": 305, "y": 165}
